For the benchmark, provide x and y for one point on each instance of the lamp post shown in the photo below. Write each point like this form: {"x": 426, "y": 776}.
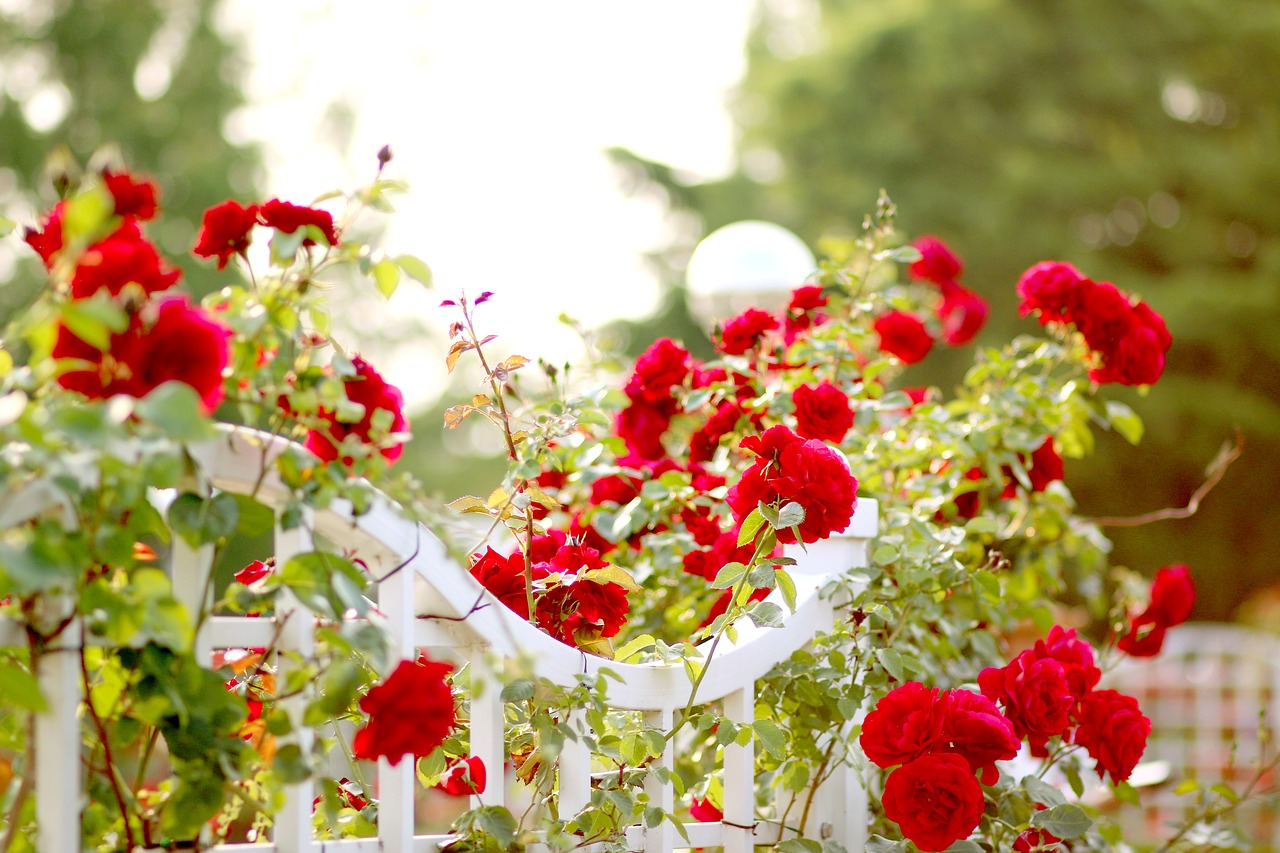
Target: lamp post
{"x": 742, "y": 263}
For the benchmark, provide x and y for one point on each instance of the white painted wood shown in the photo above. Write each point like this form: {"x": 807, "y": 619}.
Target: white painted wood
{"x": 739, "y": 774}
{"x": 57, "y": 745}
{"x": 487, "y": 729}
{"x": 661, "y": 838}
{"x": 292, "y": 830}
{"x": 397, "y": 785}
{"x": 575, "y": 770}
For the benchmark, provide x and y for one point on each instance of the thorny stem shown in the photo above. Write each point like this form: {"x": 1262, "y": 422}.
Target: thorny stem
{"x": 496, "y": 387}
{"x": 1217, "y": 469}
{"x": 817, "y": 781}
{"x": 109, "y": 768}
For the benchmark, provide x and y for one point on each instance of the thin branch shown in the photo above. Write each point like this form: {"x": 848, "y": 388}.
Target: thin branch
{"x": 109, "y": 768}
{"x": 1214, "y": 474}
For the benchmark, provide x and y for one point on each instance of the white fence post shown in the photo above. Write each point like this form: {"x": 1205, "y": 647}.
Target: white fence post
{"x": 57, "y": 745}
{"x": 396, "y": 785}
{"x": 292, "y": 829}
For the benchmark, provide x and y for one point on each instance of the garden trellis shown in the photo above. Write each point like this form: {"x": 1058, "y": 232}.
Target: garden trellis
{"x": 429, "y": 601}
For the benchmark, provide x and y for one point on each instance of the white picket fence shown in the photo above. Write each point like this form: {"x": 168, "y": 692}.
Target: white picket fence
{"x": 432, "y": 585}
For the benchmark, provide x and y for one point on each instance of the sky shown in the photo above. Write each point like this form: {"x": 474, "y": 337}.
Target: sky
{"x": 498, "y": 113}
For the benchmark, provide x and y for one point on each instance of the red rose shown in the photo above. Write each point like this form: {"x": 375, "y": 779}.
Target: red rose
{"x": 183, "y": 344}
{"x": 1030, "y": 840}
{"x": 123, "y": 257}
{"x": 504, "y": 577}
{"x": 1137, "y": 360}
{"x": 664, "y": 364}
{"x": 937, "y": 263}
{"x": 802, "y": 312}
{"x": 1034, "y": 694}
{"x": 286, "y": 217}
{"x": 254, "y": 572}
{"x": 1076, "y": 657}
{"x": 370, "y": 390}
{"x": 789, "y": 468}
{"x": 411, "y": 713}
{"x": 1173, "y": 594}
{"x": 131, "y": 197}
{"x": 963, "y": 314}
{"x": 1114, "y": 731}
{"x": 703, "y": 443}
{"x": 1147, "y": 318}
{"x": 705, "y": 811}
{"x": 578, "y": 604}
{"x": 1049, "y": 289}
{"x": 641, "y": 426}
{"x": 167, "y": 340}
{"x": 823, "y": 413}
{"x": 974, "y": 729}
{"x": 47, "y": 240}
{"x": 703, "y": 524}
{"x": 745, "y": 331}
{"x": 907, "y": 723}
{"x": 935, "y": 800}
{"x": 464, "y": 778}
{"x": 225, "y": 230}
{"x": 1105, "y": 318}
{"x": 903, "y": 335}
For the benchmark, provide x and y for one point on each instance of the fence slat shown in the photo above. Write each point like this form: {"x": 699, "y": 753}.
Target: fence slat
{"x": 292, "y": 829}
{"x": 661, "y": 838}
{"x": 739, "y": 775}
{"x": 57, "y": 745}
{"x": 575, "y": 770}
{"x": 487, "y": 731}
{"x": 396, "y": 785}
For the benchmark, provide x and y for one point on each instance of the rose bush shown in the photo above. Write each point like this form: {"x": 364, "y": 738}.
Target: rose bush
{"x": 639, "y": 514}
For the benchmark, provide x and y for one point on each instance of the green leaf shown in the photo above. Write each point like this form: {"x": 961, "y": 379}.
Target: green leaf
{"x": 634, "y": 647}
{"x": 964, "y": 845}
{"x": 791, "y": 515}
{"x": 752, "y": 523}
{"x": 20, "y": 688}
{"x": 772, "y": 738}
{"x": 799, "y": 845}
{"x": 291, "y": 764}
{"x": 729, "y": 574}
{"x": 200, "y": 521}
{"x": 256, "y": 518}
{"x": 880, "y": 844}
{"x": 892, "y": 663}
{"x": 762, "y": 577}
{"x": 328, "y": 584}
{"x": 1064, "y": 821}
{"x": 415, "y": 268}
{"x": 788, "y": 588}
{"x": 175, "y": 407}
{"x": 1042, "y": 792}
{"x": 93, "y": 320}
{"x": 765, "y": 614}
{"x": 518, "y": 690}
{"x": 386, "y": 275}
{"x": 498, "y": 822}
{"x": 1124, "y": 421}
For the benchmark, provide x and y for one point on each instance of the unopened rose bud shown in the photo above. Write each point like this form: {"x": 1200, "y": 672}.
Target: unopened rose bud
{"x": 384, "y": 156}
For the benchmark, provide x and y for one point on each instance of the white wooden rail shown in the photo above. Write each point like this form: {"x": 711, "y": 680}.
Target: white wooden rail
{"x": 430, "y": 584}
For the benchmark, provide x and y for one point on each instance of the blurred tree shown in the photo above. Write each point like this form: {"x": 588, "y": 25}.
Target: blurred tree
{"x": 1138, "y": 139}
{"x": 154, "y": 78}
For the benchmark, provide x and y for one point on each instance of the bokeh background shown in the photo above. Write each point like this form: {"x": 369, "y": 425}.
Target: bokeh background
{"x": 568, "y": 156}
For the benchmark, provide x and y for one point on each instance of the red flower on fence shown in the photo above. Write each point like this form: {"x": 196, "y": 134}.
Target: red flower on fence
{"x": 411, "y": 713}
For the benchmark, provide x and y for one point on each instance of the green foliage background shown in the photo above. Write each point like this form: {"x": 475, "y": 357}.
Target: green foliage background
{"x": 92, "y": 50}
{"x": 1139, "y": 140}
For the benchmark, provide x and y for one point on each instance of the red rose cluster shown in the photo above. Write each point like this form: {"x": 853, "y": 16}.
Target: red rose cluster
{"x": 961, "y": 312}
{"x": 411, "y": 713}
{"x": 1043, "y": 466}
{"x": 1047, "y": 691}
{"x": 936, "y": 740}
{"x": 1129, "y": 338}
{"x": 226, "y": 228}
{"x": 1173, "y": 594}
{"x": 370, "y": 390}
{"x": 790, "y": 468}
{"x": 166, "y": 339}
{"x": 572, "y": 602}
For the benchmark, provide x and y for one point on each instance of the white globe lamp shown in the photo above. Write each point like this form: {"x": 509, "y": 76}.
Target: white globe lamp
{"x": 746, "y": 263}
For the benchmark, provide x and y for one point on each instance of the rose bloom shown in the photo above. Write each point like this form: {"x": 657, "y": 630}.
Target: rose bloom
{"x": 168, "y": 340}
{"x": 1173, "y": 594}
{"x": 789, "y": 468}
{"x": 47, "y": 239}
{"x": 1076, "y": 657}
{"x": 286, "y": 217}
{"x": 906, "y": 723}
{"x": 705, "y": 811}
{"x": 503, "y": 575}
{"x": 974, "y": 729}
{"x": 1049, "y": 289}
{"x": 802, "y": 312}
{"x": 1105, "y": 318}
{"x": 136, "y": 198}
{"x": 663, "y": 365}
{"x": 1036, "y": 839}
{"x": 823, "y": 413}
{"x": 370, "y": 390}
{"x": 464, "y": 778}
{"x": 1034, "y": 694}
{"x": 963, "y": 314}
{"x": 225, "y": 230}
{"x": 745, "y": 331}
{"x": 1137, "y": 360}
{"x": 411, "y": 713}
{"x": 937, "y": 263}
{"x": 703, "y": 443}
{"x": 935, "y": 800}
{"x": 581, "y": 605}
{"x": 1114, "y": 731}
{"x": 641, "y": 425}
{"x": 124, "y": 257}
{"x": 903, "y": 335}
